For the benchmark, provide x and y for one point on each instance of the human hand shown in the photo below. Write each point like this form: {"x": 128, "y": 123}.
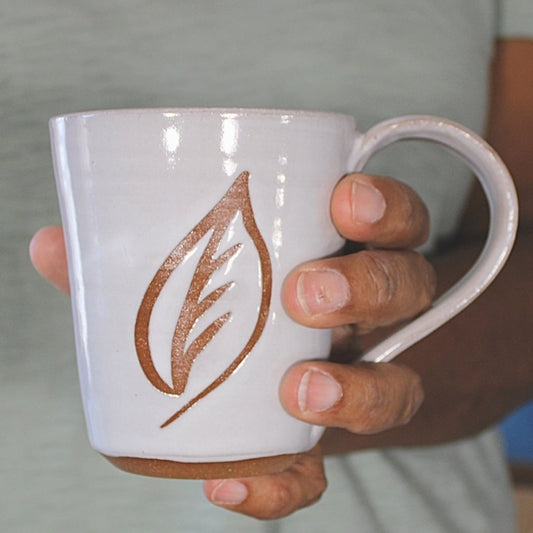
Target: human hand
{"x": 356, "y": 293}
{"x": 353, "y": 293}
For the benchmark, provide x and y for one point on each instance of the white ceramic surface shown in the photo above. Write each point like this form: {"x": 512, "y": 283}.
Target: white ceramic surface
{"x": 143, "y": 194}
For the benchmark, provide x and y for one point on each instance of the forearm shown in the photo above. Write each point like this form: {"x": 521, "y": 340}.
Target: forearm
{"x": 476, "y": 368}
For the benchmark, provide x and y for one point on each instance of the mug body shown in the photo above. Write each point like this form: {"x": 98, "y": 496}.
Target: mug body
{"x": 181, "y": 225}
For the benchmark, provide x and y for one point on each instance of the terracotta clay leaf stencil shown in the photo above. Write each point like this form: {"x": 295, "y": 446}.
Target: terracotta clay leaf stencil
{"x": 185, "y": 350}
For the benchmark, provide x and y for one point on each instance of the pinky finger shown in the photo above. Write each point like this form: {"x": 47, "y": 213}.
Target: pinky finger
{"x": 273, "y": 496}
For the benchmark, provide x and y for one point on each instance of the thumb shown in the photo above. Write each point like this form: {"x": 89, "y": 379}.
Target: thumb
{"x": 49, "y": 258}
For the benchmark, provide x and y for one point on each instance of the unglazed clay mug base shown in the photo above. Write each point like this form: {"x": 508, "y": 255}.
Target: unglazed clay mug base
{"x": 181, "y": 225}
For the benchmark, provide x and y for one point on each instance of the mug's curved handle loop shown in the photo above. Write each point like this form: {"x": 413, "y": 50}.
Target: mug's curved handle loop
{"x": 501, "y": 195}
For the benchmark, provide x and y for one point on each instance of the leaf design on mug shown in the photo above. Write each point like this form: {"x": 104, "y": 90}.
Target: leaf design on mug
{"x": 182, "y": 358}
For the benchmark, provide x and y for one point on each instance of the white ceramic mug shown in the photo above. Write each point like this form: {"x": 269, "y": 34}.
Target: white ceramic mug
{"x": 181, "y": 225}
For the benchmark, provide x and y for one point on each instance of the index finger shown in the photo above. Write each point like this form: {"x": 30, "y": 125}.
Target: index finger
{"x": 380, "y": 211}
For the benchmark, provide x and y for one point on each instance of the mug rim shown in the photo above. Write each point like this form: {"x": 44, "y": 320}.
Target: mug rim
{"x": 225, "y": 112}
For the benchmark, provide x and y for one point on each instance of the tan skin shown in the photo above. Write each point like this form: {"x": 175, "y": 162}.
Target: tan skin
{"x": 470, "y": 381}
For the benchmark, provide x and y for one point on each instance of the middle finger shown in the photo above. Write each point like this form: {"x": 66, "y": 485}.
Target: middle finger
{"x": 371, "y": 288}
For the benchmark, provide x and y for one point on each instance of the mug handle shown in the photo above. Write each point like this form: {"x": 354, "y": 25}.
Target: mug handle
{"x": 500, "y": 192}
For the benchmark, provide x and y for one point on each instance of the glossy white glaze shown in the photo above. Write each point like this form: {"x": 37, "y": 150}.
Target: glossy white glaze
{"x": 134, "y": 183}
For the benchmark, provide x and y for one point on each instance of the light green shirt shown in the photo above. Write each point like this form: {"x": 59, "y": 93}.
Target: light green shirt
{"x": 374, "y": 59}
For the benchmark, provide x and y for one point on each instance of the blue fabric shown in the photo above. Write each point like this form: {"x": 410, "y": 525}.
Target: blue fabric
{"x": 517, "y": 432}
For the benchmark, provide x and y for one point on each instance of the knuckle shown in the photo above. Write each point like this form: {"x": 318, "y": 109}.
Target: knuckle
{"x": 382, "y": 282}
{"x": 409, "y": 211}
{"x": 426, "y": 276}
{"x": 371, "y": 404}
{"x": 375, "y": 397}
{"x": 315, "y": 487}
{"x": 410, "y": 396}
{"x": 279, "y": 500}
{"x": 386, "y": 402}
{"x": 303, "y": 488}
{"x": 415, "y": 217}
{"x": 316, "y": 495}
{"x": 413, "y": 401}
{"x": 312, "y": 491}
{"x": 311, "y": 482}
{"x": 392, "y": 286}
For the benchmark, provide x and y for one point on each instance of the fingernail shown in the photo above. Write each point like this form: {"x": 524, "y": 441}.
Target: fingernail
{"x": 368, "y": 204}
{"x": 318, "y": 391}
{"x": 322, "y": 291}
{"x": 229, "y": 492}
